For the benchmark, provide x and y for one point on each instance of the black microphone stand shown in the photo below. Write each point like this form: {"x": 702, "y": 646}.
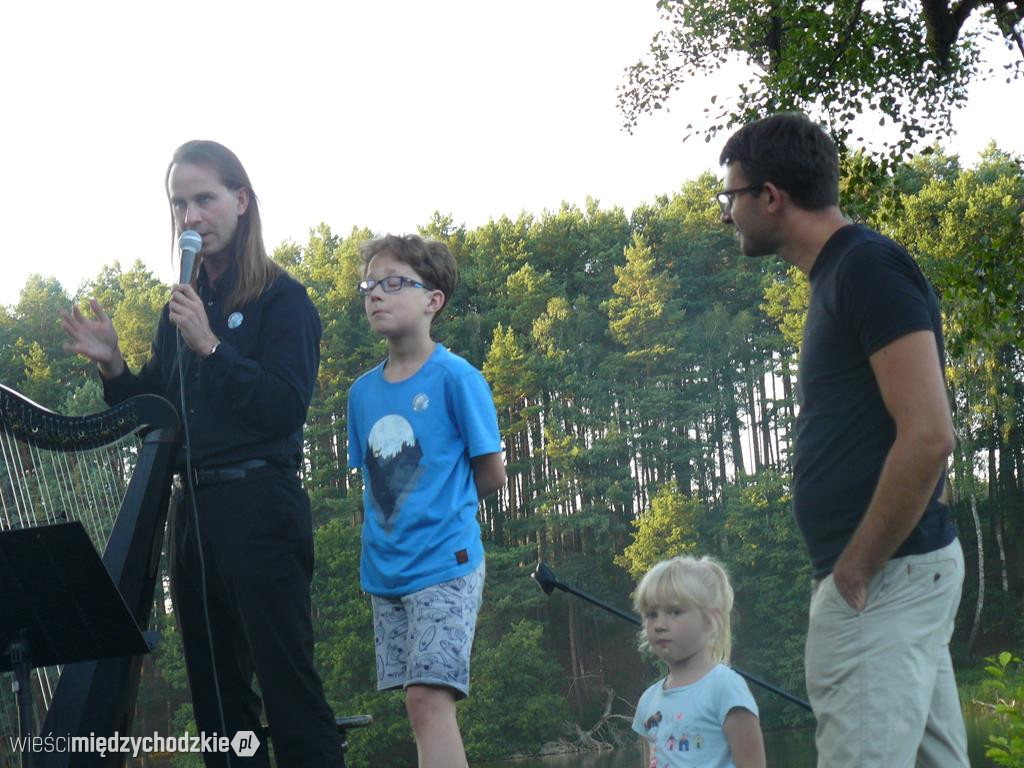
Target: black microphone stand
{"x": 545, "y": 577}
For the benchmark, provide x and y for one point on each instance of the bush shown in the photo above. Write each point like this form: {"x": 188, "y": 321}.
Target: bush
{"x": 514, "y": 702}
{"x": 1006, "y": 684}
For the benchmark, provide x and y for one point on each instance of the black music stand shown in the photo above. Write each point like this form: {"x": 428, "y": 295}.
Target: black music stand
{"x": 58, "y": 606}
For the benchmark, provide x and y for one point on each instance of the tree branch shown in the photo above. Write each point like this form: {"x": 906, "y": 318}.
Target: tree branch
{"x": 844, "y": 41}
{"x": 1009, "y": 20}
{"x": 961, "y": 11}
{"x": 944, "y": 25}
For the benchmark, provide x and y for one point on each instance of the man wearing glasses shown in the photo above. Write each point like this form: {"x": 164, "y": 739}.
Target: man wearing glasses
{"x": 872, "y": 438}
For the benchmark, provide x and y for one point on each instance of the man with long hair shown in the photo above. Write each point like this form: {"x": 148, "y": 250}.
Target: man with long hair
{"x": 243, "y": 337}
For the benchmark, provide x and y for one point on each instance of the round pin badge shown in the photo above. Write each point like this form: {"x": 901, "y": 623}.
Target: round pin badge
{"x": 421, "y": 402}
{"x": 235, "y": 319}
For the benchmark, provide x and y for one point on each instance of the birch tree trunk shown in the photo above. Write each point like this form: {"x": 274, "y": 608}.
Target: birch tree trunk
{"x": 981, "y": 577}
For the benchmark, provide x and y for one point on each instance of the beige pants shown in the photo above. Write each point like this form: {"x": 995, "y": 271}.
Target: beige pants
{"x": 881, "y": 681}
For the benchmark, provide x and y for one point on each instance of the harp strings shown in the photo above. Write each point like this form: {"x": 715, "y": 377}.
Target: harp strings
{"x": 42, "y": 487}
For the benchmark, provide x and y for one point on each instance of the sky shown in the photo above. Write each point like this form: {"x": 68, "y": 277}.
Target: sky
{"x": 369, "y": 114}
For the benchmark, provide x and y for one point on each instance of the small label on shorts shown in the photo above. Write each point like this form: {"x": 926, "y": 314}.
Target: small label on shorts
{"x": 461, "y": 557}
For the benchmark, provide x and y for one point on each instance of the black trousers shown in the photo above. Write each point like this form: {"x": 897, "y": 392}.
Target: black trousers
{"x": 257, "y": 541}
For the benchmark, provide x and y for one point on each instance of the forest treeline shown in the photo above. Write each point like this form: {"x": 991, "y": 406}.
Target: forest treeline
{"x": 643, "y": 372}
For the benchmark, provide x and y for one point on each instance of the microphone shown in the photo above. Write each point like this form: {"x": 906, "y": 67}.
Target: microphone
{"x": 190, "y": 243}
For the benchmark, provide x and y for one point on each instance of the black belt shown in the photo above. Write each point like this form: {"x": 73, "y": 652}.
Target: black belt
{"x": 225, "y": 473}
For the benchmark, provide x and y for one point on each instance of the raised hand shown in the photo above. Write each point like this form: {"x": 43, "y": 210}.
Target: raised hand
{"x": 93, "y": 338}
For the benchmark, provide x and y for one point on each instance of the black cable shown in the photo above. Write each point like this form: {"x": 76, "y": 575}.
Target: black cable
{"x": 199, "y": 541}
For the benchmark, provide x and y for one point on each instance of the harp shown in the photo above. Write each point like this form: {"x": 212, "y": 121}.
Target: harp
{"x": 112, "y": 472}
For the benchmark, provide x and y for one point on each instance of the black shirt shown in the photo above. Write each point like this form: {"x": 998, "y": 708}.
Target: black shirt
{"x": 866, "y": 292}
{"x": 249, "y": 399}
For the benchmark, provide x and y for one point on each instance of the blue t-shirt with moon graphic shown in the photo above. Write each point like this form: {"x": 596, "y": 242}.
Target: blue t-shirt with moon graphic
{"x": 413, "y": 441}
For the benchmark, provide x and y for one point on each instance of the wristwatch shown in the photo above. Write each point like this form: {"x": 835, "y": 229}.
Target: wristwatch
{"x": 213, "y": 348}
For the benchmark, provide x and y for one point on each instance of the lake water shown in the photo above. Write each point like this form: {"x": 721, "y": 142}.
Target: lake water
{"x": 792, "y": 749}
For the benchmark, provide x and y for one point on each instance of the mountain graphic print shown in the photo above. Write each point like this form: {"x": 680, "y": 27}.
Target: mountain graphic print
{"x": 394, "y": 465}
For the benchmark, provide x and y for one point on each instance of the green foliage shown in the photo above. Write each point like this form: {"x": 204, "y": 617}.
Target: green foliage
{"x": 756, "y": 540}
{"x": 343, "y": 614}
{"x": 786, "y": 301}
{"x": 40, "y": 368}
{"x": 184, "y": 722}
{"x": 771, "y": 576}
{"x": 509, "y": 594}
{"x": 343, "y": 628}
{"x": 515, "y": 703}
{"x": 965, "y": 226}
{"x": 84, "y": 399}
{"x": 133, "y": 299}
{"x": 669, "y": 529}
{"x": 1006, "y": 686}
{"x": 902, "y": 63}
{"x": 643, "y": 374}
{"x": 513, "y": 679}
{"x": 641, "y": 296}
{"x": 511, "y": 380}
{"x": 170, "y": 655}
{"x": 966, "y": 230}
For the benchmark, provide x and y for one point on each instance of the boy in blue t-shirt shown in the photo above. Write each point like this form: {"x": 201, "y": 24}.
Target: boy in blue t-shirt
{"x": 423, "y": 429}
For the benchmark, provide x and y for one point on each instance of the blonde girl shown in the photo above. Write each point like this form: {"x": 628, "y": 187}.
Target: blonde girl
{"x": 702, "y": 713}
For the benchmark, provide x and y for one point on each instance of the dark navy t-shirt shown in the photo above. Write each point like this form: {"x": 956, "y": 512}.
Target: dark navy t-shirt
{"x": 866, "y": 292}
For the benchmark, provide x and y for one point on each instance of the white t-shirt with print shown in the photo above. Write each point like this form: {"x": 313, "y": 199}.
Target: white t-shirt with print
{"x": 683, "y": 725}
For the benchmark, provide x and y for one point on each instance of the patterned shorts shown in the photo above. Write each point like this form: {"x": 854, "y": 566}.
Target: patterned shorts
{"x": 425, "y": 638}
